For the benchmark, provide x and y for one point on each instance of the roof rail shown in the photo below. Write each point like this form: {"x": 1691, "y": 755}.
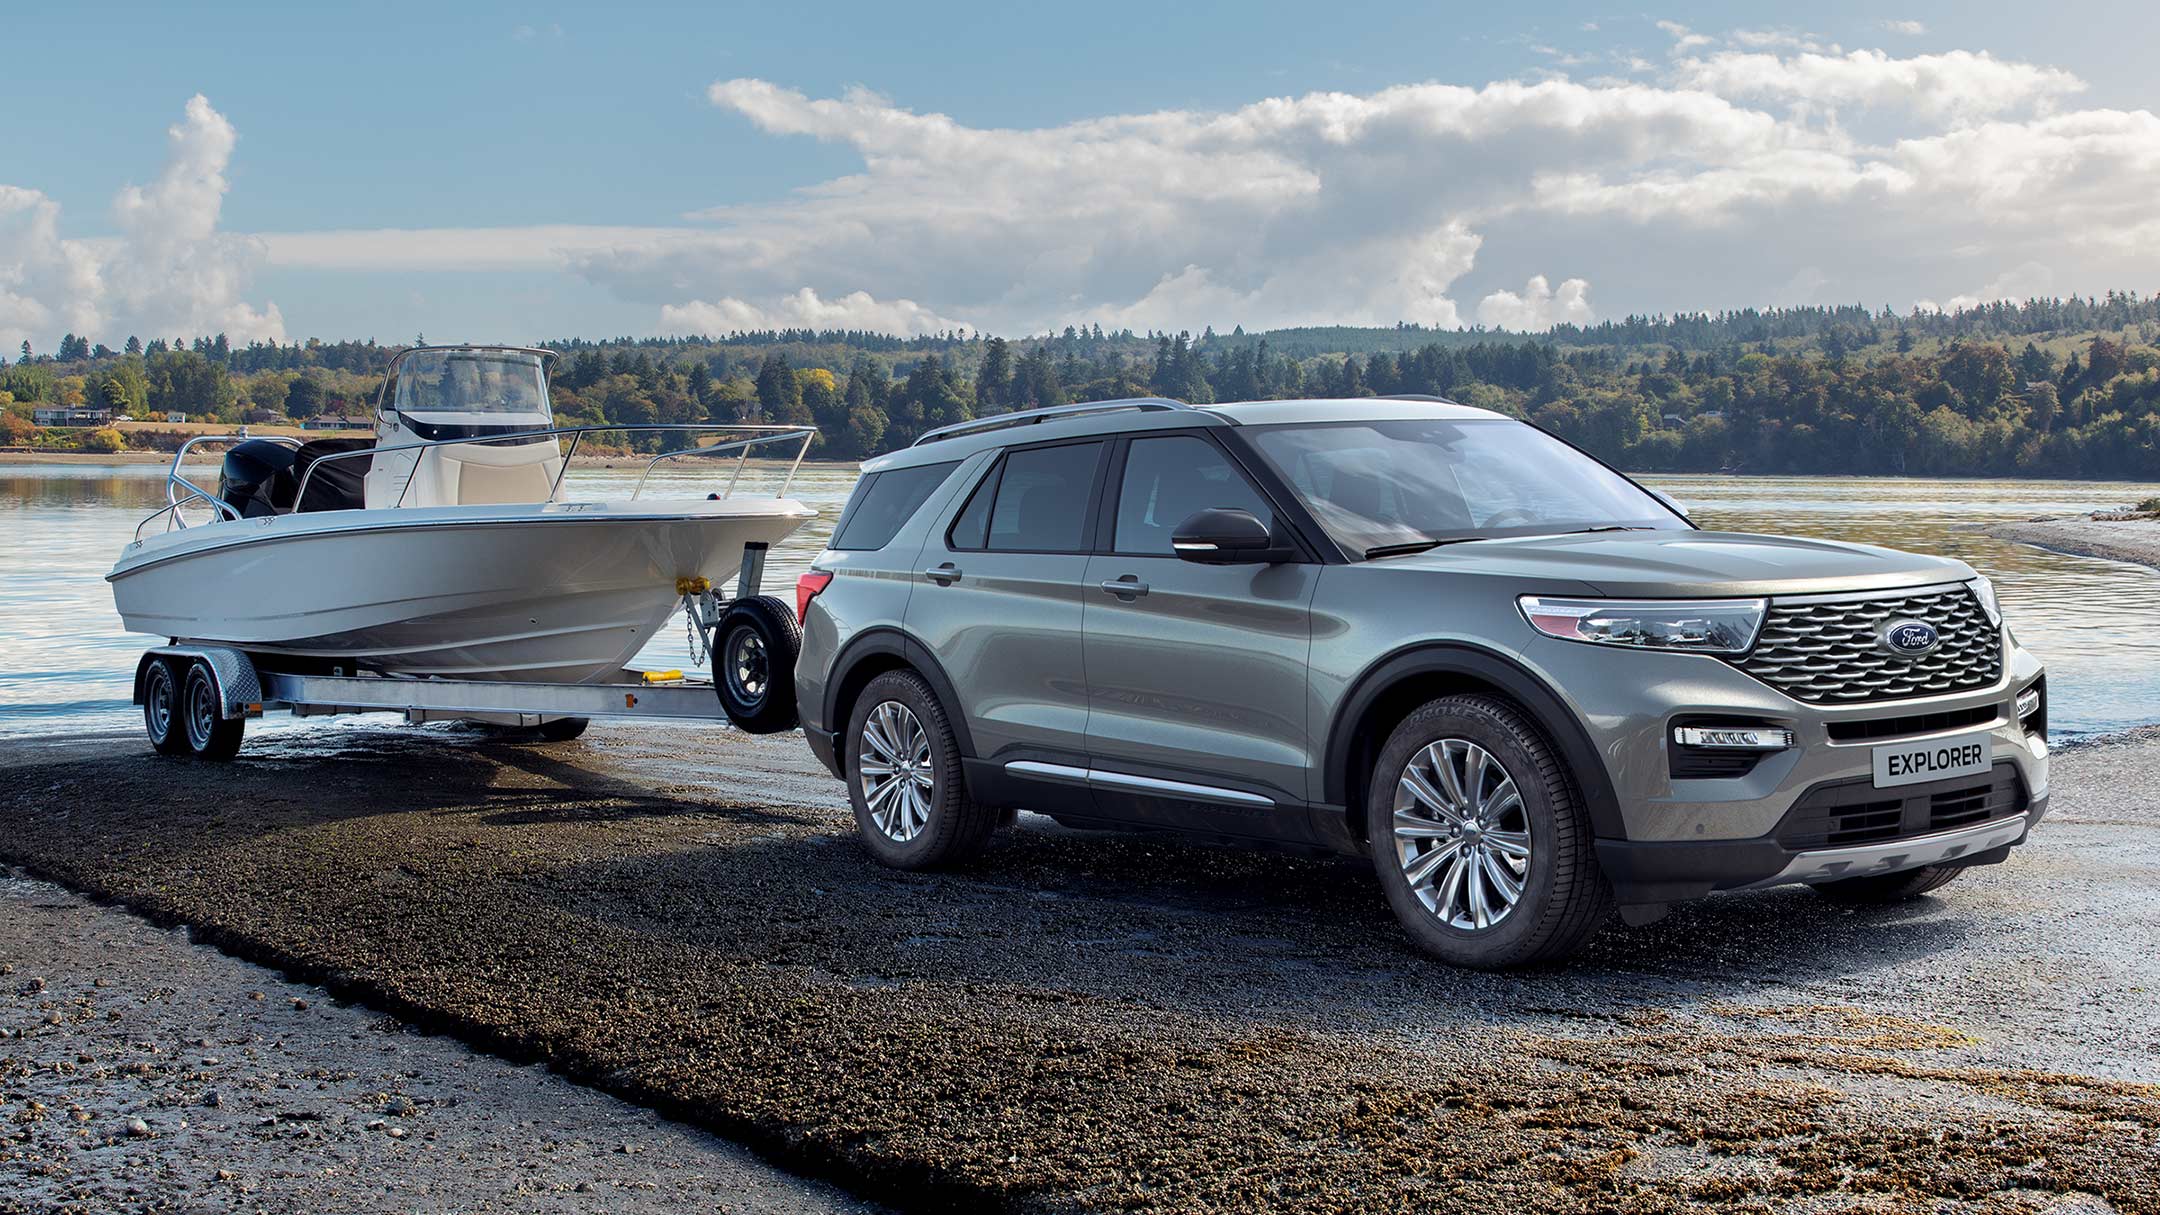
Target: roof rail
{"x": 1048, "y": 413}
{"x": 1413, "y": 396}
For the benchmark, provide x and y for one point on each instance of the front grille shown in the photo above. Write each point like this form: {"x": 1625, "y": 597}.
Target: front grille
{"x": 1854, "y": 812}
{"x": 1917, "y": 723}
{"x": 1831, "y": 652}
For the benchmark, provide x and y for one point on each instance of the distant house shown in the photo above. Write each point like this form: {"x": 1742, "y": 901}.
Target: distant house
{"x": 1712, "y": 415}
{"x": 1675, "y": 421}
{"x": 337, "y": 421}
{"x": 71, "y": 415}
{"x": 174, "y": 415}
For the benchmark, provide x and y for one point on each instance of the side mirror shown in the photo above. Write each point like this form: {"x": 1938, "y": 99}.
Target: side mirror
{"x": 1678, "y": 507}
{"x": 1226, "y": 536}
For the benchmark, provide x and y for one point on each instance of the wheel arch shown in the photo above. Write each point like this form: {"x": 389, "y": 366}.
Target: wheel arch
{"x": 872, "y": 654}
{"x": 1397, "y": 683}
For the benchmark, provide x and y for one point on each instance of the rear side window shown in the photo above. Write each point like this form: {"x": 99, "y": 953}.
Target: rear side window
{"x": 1036, "y": 502}
{"x": 883, "y": 503}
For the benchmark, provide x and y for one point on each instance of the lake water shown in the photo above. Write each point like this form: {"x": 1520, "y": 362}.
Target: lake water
{"x": 65, "y": 664}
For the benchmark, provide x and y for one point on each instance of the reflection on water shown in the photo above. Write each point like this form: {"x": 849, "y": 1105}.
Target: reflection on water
{"x": 65, "y": 663}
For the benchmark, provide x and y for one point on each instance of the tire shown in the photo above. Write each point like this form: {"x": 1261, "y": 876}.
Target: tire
{"x": 161, "y": 708}
{"x": 754, "y": 664}
{"x": 562, "y": 729}
{"x": 1459, "y": 912}
{"x": 1889, "y": 887}
{"x": 898, "y": 718}
{"x": 210, "y": 734}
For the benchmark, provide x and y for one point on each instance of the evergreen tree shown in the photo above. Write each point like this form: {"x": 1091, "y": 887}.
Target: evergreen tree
{"x": 993, "y": 380}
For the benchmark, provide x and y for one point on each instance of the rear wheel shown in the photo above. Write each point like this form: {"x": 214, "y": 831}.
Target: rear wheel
{"x": 754, "y": 664}
{"x": 210, "y": 734}
{"x": 1484, "y": 850}
{"x": 904, "y": 780}
{"x": 1889, "y": 887}
{"x": 161, "y": 708}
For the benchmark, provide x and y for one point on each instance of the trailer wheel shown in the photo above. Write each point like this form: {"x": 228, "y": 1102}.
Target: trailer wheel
{"x": 563, "y": 729}
{"x": 210, "y": 734}
{"x": 161, "y": 708}
{"x": 754, "y": 664}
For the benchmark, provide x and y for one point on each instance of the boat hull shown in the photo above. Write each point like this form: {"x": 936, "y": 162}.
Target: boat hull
{"x": 567, "y": 592}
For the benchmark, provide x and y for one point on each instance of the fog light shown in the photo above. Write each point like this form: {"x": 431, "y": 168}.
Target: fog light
{"x": 2028, "y": 703}
{"x": 1743, "y": 738}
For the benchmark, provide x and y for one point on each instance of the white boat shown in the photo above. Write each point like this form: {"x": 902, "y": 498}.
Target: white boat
{"x": 446, "y": 547}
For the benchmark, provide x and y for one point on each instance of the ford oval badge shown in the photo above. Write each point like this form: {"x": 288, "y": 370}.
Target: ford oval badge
{"x": 1910, "y": 638}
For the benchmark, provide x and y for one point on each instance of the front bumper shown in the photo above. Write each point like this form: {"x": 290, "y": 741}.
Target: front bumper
{"x": 1659, "y": 871}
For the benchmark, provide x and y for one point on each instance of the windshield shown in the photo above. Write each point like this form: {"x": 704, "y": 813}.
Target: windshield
{"x": 472, "y": 381}
{"x": 1381, "y": 484}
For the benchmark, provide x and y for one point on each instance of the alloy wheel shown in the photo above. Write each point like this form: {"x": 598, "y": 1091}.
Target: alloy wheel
{"x": 1462, "y": 834}
{"x": 899, "y": 781}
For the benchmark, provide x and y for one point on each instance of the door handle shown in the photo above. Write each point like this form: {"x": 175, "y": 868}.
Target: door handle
{"x": 1127, "y": 588}
{"x": 943, "y": 575}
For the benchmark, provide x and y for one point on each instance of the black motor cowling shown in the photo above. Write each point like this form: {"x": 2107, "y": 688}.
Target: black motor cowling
{"x": 256, "y": 477}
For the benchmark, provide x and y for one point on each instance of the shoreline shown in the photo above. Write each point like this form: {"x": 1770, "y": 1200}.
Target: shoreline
{"x": 2134, "y": 541}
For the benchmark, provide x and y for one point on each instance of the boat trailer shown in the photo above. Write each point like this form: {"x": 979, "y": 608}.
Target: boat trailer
{"x": 196, "y": 697}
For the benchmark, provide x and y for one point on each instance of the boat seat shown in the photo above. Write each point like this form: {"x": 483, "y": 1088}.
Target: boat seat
{"x": 476, "y": 474}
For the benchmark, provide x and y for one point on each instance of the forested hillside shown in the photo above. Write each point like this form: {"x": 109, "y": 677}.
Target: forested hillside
{"x": 2055, "y": 387}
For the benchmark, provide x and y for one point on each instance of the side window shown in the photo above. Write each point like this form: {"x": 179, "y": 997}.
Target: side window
{"x": 1169, "y": 478}
{"x": 884, "y": 502}
{"x": 972, "y": 529}
{"x": 1040, "y": 504}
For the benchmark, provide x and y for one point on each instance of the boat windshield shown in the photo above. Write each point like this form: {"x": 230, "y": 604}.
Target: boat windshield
{"x": 461, "y": 381}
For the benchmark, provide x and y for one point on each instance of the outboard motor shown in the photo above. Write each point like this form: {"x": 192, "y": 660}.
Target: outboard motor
{"x": 256, "y": 477}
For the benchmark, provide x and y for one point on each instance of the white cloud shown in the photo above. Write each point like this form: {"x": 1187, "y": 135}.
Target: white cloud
{"x": 804, "y": 309}
{"x": 1911, "y": 28}
{"x": 169, "y": 271}
{"x": 1684, "y": 39}
{"x": 1538, "y": 307}
{"x": 1953, "y": 84}
{"x": 1755, "y": 167}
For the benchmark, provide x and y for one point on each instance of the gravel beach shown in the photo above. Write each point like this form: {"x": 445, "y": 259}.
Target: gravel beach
{"x": 2133, "y": 540}
{"x": 1076, "y": 1021}
{"x": 140, "y": 1071}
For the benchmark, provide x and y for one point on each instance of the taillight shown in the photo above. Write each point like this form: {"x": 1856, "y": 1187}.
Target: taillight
{"x": 806, "y": 588}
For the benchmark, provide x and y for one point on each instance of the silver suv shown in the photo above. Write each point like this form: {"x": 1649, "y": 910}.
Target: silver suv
{"x": 1525, "y": 686}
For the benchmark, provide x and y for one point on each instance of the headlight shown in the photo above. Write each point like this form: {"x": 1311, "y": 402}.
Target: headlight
{"x": 1984, "y": 591}
{"x": 1704, "y": 626}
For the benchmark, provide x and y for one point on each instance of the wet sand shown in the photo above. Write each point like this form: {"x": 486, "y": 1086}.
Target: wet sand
{"x": 140, "y": 1071}
{"x": 2136, "y": 541}
{"x": 1079, "y": 1021}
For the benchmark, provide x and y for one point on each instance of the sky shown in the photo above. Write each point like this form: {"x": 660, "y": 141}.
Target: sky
{"x": 518, "y": 172}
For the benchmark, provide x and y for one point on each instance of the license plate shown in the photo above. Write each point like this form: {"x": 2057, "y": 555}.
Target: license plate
{"x": 1914, "y": 762}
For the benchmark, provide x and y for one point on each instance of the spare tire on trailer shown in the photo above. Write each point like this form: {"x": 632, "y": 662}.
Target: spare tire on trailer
{"x": 753, "y": 658}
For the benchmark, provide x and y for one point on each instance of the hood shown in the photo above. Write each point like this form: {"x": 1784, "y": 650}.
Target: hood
{"x": 1691, "y": 564}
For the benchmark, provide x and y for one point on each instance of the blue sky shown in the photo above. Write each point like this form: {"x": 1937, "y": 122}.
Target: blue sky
{"x": 571, "y": 170}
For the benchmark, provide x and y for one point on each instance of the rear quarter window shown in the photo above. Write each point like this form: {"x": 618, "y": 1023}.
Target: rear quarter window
{"x": 883, "y": 503}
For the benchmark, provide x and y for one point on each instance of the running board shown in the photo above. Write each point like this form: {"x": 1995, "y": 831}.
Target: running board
{"x": 1125, "y": 782}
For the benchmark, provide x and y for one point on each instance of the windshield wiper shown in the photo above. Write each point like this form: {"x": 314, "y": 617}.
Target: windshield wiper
{"x": 1416, "y": 546}
{"x": 1609, "y": 527}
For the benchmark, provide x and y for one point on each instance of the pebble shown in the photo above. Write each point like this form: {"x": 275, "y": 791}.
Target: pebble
{"x": 401, "y": 1107}
{"x": 212, "y": 1100}
{"x": 138, "y": 1128}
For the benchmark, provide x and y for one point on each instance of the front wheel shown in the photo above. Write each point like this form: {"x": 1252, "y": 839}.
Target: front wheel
{"x": 754, "y": 664}
{"x": 1483, "y": 848}
{"x": 210, "y": 734}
